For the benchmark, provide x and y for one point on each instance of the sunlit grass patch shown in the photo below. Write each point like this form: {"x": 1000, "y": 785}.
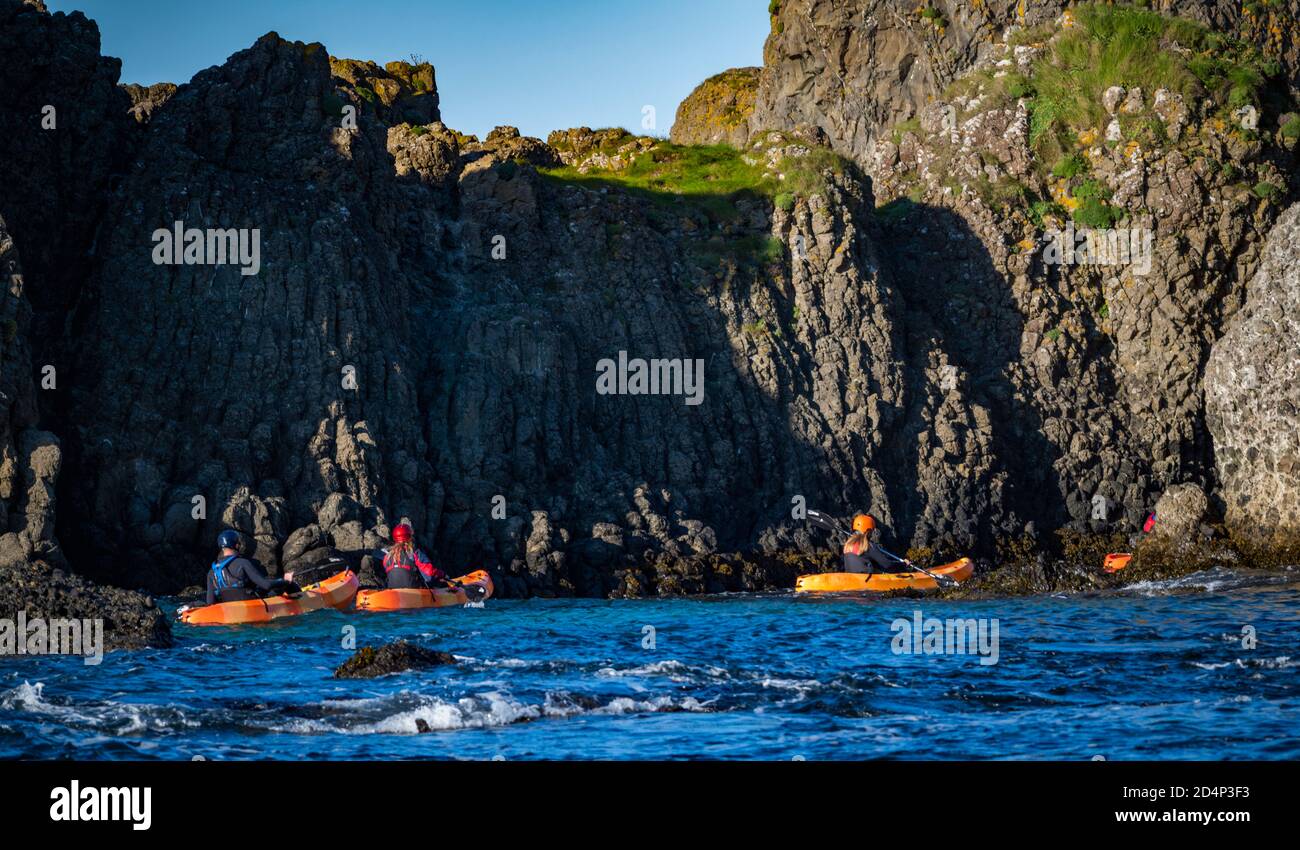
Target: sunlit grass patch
{"x": 1133, "y": 47}
{"x": 709, "y": 177}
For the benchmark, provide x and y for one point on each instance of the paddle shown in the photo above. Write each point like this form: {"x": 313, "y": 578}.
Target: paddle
{"x": 319, "y": 572}
{"x": 829, "y": 523}
{"x": 473, "y": 592}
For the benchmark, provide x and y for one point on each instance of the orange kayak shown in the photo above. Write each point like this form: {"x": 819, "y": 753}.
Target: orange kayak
{"x": 411, "y": 597}
{"x": 334, "y": 592}
{"x": 1116, "y": 561}
{"x": 847, "y": 582}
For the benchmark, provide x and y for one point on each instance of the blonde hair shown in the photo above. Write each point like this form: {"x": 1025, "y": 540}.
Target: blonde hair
{"x": 400, "y": 548}
{"x": 858, "y": 542}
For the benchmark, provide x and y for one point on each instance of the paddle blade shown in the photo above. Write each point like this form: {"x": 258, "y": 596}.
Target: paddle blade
{"x": 821, "y": 520}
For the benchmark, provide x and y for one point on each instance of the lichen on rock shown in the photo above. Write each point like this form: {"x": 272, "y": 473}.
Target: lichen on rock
{"x": 718, "y": 111}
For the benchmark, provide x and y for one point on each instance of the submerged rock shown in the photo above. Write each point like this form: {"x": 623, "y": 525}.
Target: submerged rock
{"x": 396, "y": 657}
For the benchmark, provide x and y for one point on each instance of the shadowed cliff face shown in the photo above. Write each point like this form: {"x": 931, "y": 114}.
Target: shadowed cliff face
{"x": 380, "y": 364}
{"x": 1097, "y": 369}
{"x": 198, "y": 381}
{"x": 63, "y": 132}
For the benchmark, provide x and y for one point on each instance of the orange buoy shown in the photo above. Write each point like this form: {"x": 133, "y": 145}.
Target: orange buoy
{"x": 1116, "y": 561}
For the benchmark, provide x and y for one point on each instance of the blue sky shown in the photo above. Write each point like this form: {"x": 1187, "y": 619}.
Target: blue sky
{"x": 539, "y": 65}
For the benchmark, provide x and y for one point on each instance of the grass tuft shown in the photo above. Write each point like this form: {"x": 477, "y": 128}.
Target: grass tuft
{"x": 1117, "y": 45}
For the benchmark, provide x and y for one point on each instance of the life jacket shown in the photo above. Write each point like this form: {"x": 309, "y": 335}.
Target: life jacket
{"x": 219, "y": 577}
{"x": 854, "y": 557}
{"x": 407, "y": 561}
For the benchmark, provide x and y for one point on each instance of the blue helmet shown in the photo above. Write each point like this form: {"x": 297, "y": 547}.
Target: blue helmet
{"x": 228, "y": 539}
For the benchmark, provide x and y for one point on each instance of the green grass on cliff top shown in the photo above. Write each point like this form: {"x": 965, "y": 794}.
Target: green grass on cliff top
{"x": 709, "y": 177}
{"x": 712, "y": 177}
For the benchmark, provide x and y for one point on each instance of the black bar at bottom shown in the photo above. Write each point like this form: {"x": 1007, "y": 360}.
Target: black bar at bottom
{"x": 334, "y": 799}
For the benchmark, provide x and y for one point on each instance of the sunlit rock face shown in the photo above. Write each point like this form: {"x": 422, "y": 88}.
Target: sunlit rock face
{"x": 1252, "y": 390}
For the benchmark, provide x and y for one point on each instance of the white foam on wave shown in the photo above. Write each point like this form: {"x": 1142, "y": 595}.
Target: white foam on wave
{"x": 1207, "y": 581}
{"x": 627, "y": 705}
{"x": 25, "y": 697}
{"x": 512, "y": 663}
{"x": 487, "y": 710}
{"x": 671, "y": 668}
{"x": 116, "y": 718}
{"x": 210, "y": 647}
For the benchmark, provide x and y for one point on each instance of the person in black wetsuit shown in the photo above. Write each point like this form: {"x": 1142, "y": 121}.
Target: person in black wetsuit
{"x": 863, "y": 556}
{"x": 234, "y": 578}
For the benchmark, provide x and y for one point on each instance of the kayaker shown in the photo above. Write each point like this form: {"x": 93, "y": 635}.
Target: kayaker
{"x": 406, "y": 566}
{"x": 234, "y": 578}
{"x": 863, "y": 556}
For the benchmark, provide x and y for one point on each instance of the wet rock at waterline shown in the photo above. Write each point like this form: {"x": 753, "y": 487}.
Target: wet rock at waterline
{"x": 396, "y": 657}
{"x": 38, "y": 590}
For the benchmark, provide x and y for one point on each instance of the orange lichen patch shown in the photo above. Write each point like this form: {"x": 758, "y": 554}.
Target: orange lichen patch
{"x": 1087, "y": 138}
{"x": 1061, "y": 194}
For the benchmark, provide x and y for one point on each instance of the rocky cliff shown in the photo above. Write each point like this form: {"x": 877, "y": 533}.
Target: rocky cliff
{"x": 718, "y": 111}
{"x": 1110, "y": 352}
{"x": 288, "y": 299}
{"x": 980, "y": 138}
{"x": 1252, "y": 390}
{"x": 63, "y": 132}
{"x": 858, "y": 67}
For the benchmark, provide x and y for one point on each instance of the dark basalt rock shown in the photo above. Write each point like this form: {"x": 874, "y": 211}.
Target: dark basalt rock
{"x": 131, "y": 620}
{"x": 396, "y": 657}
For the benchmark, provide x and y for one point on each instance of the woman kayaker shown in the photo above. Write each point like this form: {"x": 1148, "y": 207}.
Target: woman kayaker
{"x": 234, "y": 578}
{"x": 407, "y": 566}
{"x": 863, "y": 556}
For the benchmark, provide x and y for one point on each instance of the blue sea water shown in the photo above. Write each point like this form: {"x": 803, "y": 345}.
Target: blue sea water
{"x": 1159, "y": 671}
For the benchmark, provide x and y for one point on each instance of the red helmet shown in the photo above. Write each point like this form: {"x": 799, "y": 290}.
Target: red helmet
{"x": 403, "y": 533}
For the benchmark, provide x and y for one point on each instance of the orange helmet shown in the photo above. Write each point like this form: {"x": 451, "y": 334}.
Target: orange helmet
{"x": 863, "y": 523}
